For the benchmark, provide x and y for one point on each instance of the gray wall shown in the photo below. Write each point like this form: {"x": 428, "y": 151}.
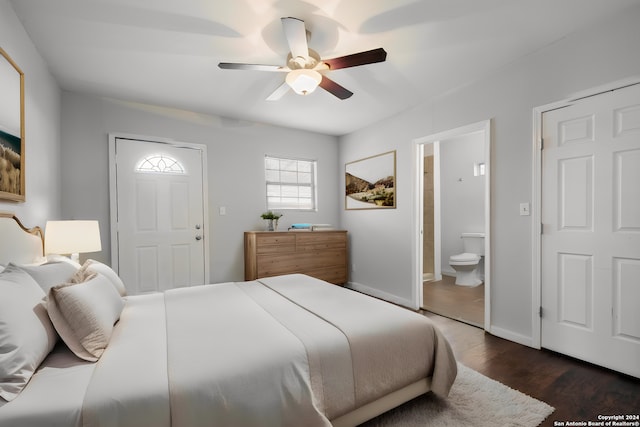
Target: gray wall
{"x": 593, "y": 57}
{"x": 42, "y": 125}
{"x": 235, "y": 151}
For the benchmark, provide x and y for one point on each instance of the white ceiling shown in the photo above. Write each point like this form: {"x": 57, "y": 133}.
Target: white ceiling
{"x": 165, "y": 52}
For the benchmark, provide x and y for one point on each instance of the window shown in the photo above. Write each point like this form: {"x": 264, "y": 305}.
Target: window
{"x": 291, "y": 183}
{"x": 160, "y": 164}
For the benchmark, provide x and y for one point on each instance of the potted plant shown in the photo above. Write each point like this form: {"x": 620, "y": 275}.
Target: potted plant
{"x": 272, "y": 219}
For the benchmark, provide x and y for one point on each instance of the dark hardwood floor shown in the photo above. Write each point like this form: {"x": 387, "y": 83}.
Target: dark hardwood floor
{"x": 579, "y": 391}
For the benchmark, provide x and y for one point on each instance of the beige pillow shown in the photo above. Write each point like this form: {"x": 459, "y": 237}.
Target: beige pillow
{"x": 93, "y": 266}
{"x": 84, "y": 314}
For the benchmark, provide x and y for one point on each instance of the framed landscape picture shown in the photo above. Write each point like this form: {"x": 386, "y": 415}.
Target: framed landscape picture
{"x": 12, "y": 153}
{"x": 370, "y": 183}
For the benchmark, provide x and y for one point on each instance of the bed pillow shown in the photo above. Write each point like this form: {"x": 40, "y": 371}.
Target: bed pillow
{"x": 62, "y": 258}
{"x": 26, "y": 333}
{"x": 50, "y": 274}
{"x": 84, "y": 314}
{"x": 93, "y": 266}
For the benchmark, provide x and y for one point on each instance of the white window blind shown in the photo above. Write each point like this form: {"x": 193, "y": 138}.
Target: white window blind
{"x": 291, "y": 183}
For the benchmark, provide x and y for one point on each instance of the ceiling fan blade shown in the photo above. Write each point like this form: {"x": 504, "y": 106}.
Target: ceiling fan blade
{"x": 334, "y": 88}
{"x": 355, "y": 59}
{"x": 296, "y": 35}
{"x": 251, "y": 67}
{"x": 279, "y": 92}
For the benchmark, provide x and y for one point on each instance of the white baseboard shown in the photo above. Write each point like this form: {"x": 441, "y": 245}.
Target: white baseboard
{"x": 379, "y": 294}
{"x": 511, "y": 336}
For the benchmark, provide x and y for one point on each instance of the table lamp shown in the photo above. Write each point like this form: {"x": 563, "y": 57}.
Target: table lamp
{"x": 72, "y": 238}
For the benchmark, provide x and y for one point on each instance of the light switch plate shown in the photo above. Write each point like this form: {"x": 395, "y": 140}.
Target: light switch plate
{"x": 525, "y": 210}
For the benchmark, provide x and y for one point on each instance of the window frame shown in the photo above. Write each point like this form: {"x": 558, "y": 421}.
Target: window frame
{"x": 313, "y": 185}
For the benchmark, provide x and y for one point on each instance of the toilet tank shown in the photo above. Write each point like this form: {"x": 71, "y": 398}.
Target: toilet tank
{"x": 473, "y": 243}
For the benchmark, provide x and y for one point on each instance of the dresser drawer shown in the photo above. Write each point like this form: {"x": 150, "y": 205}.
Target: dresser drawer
{"x": 276, "y": 264}
{"x": 329, "y": 274}
{"x": 275, "y": 243}
{"x": 322, "y": 237}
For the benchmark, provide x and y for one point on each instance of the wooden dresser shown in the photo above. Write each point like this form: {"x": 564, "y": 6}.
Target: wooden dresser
{"x": 321, "y": 254}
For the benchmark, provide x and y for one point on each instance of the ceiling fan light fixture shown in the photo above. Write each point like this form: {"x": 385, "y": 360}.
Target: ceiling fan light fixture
{"x": 303, "y": 81}
{"x": 305, "y": 70}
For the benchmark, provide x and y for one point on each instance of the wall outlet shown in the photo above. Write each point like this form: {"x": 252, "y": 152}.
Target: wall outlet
{"x": 223, "y": 210}
{"x": 525, "y": 209}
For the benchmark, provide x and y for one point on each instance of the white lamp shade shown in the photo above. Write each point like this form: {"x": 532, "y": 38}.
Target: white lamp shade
{"x": 72, "y": 237}
{"x": 303, "y": 81}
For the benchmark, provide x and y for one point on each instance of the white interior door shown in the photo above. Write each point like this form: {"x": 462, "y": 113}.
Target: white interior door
{"x": 591, "y": 230}
{"x": 160, "y": 215}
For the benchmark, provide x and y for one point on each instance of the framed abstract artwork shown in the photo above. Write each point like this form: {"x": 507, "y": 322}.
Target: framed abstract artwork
{"x": 12, "y": 152}
{"x": 370, "y": 183}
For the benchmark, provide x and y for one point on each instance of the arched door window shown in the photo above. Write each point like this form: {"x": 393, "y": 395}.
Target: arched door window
{"x": 160, "y": 164}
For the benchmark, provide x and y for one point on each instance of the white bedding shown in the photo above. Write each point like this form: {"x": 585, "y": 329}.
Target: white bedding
{"x": 283, "y": 351}
{"x": 129, "y": 386}
{"x": 54, "y": 396}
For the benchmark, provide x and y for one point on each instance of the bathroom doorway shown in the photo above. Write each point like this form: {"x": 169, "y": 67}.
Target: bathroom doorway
{"x": 452, "y": 198}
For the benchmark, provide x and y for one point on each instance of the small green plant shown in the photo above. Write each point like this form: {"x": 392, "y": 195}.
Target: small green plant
{"x": 270, "y": 215}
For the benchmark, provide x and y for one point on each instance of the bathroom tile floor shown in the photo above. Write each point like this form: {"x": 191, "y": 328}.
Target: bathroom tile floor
{"x": 445, "y": 298}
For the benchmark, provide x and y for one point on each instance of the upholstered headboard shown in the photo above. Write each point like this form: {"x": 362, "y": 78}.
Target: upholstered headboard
{"x": 19, "y": 244}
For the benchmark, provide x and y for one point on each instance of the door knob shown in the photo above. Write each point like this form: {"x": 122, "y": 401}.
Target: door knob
{"x": 197, "y": 226}
{"x": 198, "y": 237}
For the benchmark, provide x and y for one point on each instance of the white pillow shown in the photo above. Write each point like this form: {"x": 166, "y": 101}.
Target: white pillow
{"x": 62, "y": 258}
{"x": 50, "y": 274}
{"x": 93, "y": 266}
{"x": 84, "y": 314}
{"x": 26, "y": 333}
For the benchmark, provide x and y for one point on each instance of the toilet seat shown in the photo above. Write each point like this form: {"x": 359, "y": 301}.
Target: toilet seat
{"x": 465, "y": 259}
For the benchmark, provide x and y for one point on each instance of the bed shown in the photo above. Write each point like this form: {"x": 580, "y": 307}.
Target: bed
{"x": 283, "y": 351}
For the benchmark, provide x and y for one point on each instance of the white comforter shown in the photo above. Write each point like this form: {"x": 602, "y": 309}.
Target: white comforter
{"x": 284, "y": 351}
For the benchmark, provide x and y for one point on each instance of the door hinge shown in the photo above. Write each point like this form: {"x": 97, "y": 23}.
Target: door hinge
{"x": 541, "y": 228}
{"x": 540, "y": 312}
{"x": 541, "y": 144}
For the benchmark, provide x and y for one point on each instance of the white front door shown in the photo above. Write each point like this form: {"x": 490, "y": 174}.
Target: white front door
{"x": 160, "y": 217}
{"x": 591, "y": 230}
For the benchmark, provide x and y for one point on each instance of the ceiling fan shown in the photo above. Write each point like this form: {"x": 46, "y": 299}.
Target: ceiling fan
{"x": 305, "y": 70}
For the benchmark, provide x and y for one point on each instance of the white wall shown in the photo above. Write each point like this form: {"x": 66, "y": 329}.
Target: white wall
{"x": 462, "y": 194}
{"x": 42, "y": 125}
{"x": 235, "y": 151}
{"x": 596, "y": 56}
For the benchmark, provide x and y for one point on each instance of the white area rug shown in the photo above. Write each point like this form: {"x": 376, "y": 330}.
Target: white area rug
{"x": 474, "y": 401}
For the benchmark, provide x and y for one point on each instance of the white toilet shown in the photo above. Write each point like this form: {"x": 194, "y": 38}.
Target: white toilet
{"x": 468, "y": 265}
